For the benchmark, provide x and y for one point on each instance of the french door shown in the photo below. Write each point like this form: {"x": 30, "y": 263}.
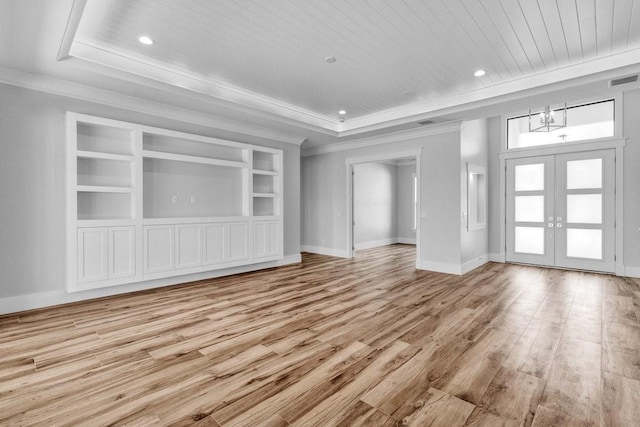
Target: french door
{"x": 561, "y": 210}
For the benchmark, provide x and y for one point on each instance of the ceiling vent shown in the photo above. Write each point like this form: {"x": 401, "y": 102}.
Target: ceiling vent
{"x": 623, "y": 81}
{"x": 426, "y": 122}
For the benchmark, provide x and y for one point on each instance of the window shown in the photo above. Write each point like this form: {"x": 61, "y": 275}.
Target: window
{"x": 584, "y": 122}
{"x": 415, "y": 201}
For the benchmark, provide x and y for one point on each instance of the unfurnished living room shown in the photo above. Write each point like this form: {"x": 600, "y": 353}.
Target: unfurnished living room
{"x": 319, "y": 213}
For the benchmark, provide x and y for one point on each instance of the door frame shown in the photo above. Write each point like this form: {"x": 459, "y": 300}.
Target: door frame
{"x": 577, "y": 147}
{"x": 415, "y": 154}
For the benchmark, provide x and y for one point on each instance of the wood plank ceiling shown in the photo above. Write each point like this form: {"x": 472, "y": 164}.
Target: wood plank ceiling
{"x": 389, "y": 53}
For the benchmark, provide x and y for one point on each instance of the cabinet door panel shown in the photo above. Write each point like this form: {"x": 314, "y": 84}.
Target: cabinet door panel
{"x": 215, "y": 241}
{"x": 272, "y": 246}
{"x": 122, "y": 252}
{"x": 259, "y": 239}
{"x": 92, "y": 254}
{"x": 237, "y": 241}
{"x": 188, "y": 246}
{"x": 158, "y": 248}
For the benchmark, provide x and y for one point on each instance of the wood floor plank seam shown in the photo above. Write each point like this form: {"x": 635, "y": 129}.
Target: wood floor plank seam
{"x": 332, "y": 341}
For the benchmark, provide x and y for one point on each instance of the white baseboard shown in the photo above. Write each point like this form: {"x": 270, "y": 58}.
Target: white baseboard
{"x": 341, "y": 253}
{"x": 407, "y": 240}
{"x": 376, "y": 243}
{"x": 47, "y": 299}
{"x": 441, "y": 267}
{"x": 475, "y": 263}
{"x": 457, "y": 269}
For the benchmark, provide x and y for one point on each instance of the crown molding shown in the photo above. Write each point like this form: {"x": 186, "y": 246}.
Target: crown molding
{"x": 75, "y": 14}
{"x": 78, "y": 91}
{"x": 434, "y": 129}
{"x": 583, "y": 73}
{"x": 96, "y": 52}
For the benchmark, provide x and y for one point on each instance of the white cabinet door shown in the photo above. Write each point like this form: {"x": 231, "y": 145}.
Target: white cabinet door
{"x": 92, "y": 254}
{"x": 188, "y": 245}
{"x": 215, "y": 243}
{"x": 158, "y": 248}
{"x": 237, "y": 241}
{"x": 122, "y": 252}
{"x": 266, "y": 239}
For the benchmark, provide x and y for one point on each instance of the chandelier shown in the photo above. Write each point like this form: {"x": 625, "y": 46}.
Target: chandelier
{"x": 548, "y": 120}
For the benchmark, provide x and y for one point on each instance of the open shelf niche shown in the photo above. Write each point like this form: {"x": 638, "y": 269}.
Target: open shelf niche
{"x": 266, "y": 184}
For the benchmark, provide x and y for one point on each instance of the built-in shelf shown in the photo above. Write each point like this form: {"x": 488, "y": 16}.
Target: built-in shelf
{"x": 104, "y": 156}
{"x": 261, "y": 172}
{"x": 265, "y": 161}
{"x": 103, "y": 189}
{"x": 147, "y": 203}
{"x": 192, "y": 159}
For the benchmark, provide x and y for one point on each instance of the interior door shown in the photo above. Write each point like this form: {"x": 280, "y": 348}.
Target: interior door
{"x": 561, "y": 210}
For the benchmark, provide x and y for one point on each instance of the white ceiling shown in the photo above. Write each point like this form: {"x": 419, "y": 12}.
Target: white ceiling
{"x": 265, "y": 58}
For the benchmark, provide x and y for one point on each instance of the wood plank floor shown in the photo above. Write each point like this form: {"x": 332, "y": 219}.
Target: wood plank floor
{"x": 369, "y": 341}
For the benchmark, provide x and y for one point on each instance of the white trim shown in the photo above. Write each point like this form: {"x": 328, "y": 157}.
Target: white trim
{"x": 441, "y": 267}
{"x": 73, "y": 22}
{"x": 386, "y": 138}
{"x": 474, "y": 263}
{"x": 417, "y": 154}
{"x": 587, "y": 72}
{"x": 47, "y": 299}
{"x": 104, "y": 55}
{"x": 570, "y": 147}
{"x": 81, "y": 92}
{"x": 340, "y": 253}
{"x": 406, "y": 240}
{"x": 457, "y": 269}
{"x": 376, "y": 243}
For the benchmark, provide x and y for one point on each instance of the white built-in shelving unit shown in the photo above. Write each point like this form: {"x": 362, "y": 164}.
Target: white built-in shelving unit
{"x": 147, "y": 203}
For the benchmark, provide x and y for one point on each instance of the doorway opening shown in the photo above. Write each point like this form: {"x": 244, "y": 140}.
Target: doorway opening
{"x": 383, "y": 203}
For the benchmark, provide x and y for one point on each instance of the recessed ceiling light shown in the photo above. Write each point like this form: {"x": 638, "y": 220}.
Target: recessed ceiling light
{"x": 479, "y": 73}
{"x": 330, "y": 59}
{"x": 145, "y": 40}
{"x": 342, "y": 112}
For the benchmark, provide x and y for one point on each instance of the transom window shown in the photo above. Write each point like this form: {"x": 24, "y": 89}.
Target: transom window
{"x": 584, "y": 122}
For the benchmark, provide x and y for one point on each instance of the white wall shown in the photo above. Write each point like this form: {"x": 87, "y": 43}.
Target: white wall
{"x": 494, "y": 128}
{"x": 473, "y": 149}
{"x": 375, "y": 204}
{"x": 406, "y": 232}
{"x": 325, "y": 198}
{"x": 631, "y": 215}
{"x": 32, "y": 194}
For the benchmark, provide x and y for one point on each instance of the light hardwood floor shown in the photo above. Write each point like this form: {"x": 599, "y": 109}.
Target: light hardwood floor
{"x": 369, "y": 341}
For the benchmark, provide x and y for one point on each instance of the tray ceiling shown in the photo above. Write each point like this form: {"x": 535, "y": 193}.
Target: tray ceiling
{"x": 394, "y": 59}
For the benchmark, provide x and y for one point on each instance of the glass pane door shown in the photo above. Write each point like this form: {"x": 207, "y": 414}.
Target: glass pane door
{"x": 585, "y": 204}
{"x": 560, "y": 210}
{"x": 529, "y": 206}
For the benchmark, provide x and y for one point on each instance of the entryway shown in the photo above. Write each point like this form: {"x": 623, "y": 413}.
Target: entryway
{"x": 560, "y": 210}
